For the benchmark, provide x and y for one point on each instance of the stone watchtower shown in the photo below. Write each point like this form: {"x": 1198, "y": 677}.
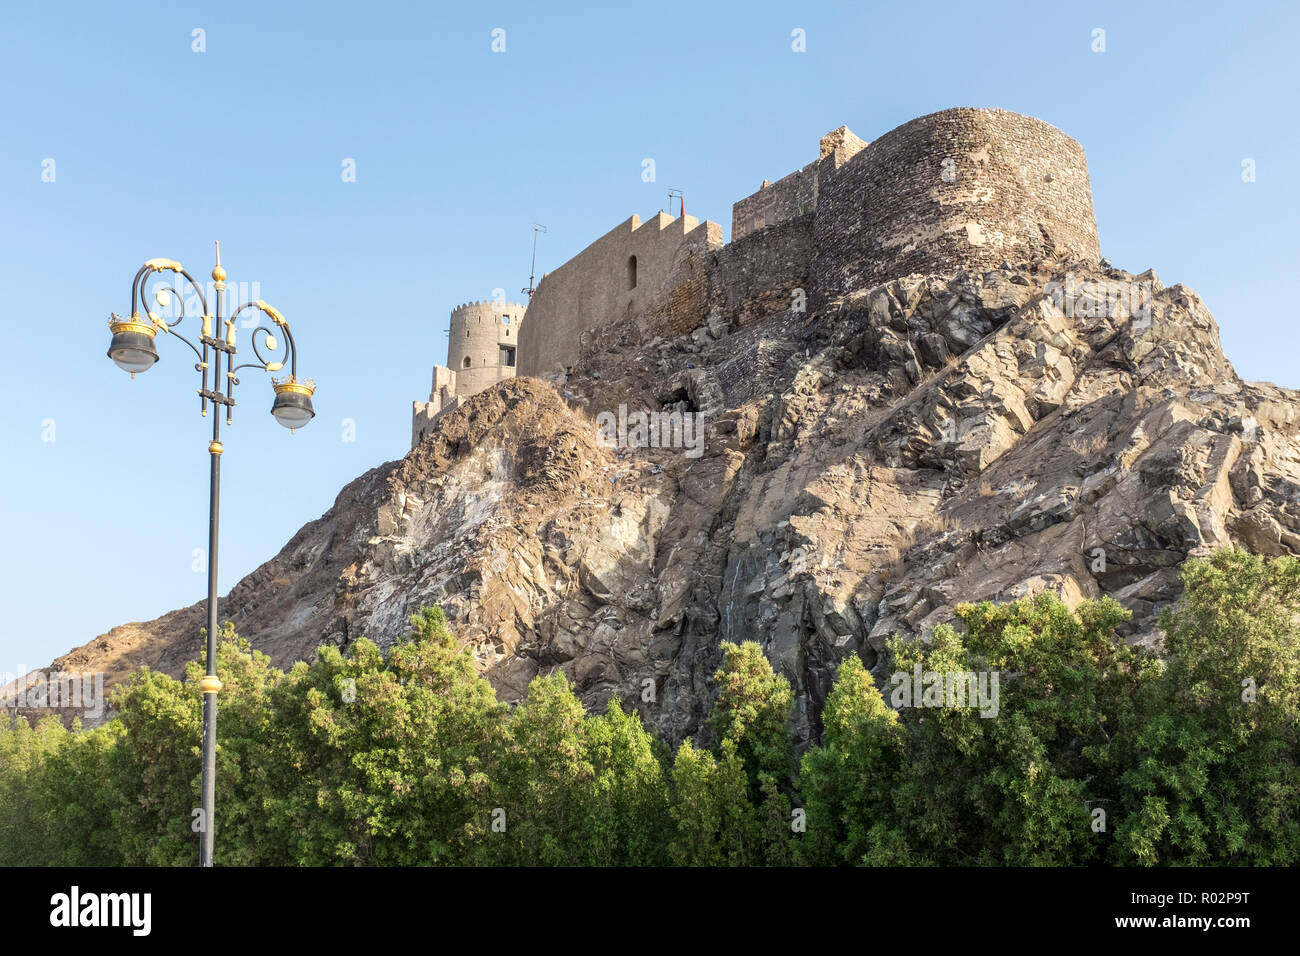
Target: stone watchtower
{"x": 482, "y": 346}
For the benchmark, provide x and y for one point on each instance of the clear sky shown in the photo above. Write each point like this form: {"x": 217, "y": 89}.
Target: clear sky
{"x": 157, "y": 150}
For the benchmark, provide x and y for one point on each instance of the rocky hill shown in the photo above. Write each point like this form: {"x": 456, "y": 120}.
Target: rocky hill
{"x": 867, "y": 465}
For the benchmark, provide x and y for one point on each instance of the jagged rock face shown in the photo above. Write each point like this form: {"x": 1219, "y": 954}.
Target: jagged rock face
{"x": 866, "y": 467}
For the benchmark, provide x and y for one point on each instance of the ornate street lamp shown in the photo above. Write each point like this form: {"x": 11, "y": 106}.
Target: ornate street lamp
{"x": 132, "y": 350}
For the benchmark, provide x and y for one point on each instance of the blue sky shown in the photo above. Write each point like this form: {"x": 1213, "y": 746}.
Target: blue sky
{"x": 158, "y": 150}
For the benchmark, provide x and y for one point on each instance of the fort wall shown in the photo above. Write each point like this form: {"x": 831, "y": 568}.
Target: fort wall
{"x": 959, "y": 189}
{"x": 789, "y": 198}
{"x": 761, "y": 274}
{"x": 795, "y": 195}
{"x": 618, "y": 276}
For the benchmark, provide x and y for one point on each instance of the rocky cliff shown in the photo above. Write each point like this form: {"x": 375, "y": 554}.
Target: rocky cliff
{"x": 1056, "y": 425}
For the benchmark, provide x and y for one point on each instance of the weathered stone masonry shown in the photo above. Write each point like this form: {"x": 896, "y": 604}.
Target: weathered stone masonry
{"x": 1016, "y": 189}
{"x": 797, "y": 194}
{"x": 958, "y": 189}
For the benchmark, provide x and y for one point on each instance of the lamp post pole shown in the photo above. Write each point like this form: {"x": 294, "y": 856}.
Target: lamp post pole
{"x": 132, "y": 349}
{"x": 210, "y": 685}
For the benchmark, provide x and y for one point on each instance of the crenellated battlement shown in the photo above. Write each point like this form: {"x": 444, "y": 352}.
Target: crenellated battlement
{"x": 663, "y": 222}
{"x": 491, "y": 304}
{"x": 622, "y": 274}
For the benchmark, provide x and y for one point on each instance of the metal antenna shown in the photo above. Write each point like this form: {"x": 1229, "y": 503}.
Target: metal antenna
{"x": 532, "y": 271}
{"x": 676, "y": 194}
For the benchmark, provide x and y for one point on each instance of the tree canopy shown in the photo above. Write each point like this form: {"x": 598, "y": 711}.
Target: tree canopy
{"x": 1022, "y": 734}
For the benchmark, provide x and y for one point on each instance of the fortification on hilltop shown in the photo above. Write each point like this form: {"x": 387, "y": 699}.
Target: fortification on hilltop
{"x": 955, "y": 190}
{"x": 959, "y": 189}
{"x": 482, "y": 349}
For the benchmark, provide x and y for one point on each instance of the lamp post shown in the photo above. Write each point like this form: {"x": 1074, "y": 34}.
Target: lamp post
{"x": 132, "y": 350}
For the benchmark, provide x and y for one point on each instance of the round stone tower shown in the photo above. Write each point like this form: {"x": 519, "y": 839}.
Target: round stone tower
{"x": 482, "y": 348}
{"x": 959, "y": 189}
{"x": 482, "y": 344}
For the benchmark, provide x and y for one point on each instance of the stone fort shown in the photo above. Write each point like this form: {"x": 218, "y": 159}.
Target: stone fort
{"x": 959, "y": 189}
{"x": 482, "y": 349}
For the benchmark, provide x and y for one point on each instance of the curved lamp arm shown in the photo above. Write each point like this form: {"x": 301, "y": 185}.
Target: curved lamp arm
{"x": 139, "y": 290}
{"x": 268, "y": 341}
{"x": 133, "y": 350}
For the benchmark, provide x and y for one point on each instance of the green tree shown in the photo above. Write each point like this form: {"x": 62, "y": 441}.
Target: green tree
{"x": 24, "y": 799}
{"x": 753, "y": 713}
{"x": 382, "y": 762}
{"x": 848, "y": 778}
{"x": 81, "y": 804}
{"x": 1015, "y": 784}
{"x": 157, "y": 764}
{"x": 1215, "y": 777}
{"x": 714, "y": 822}
{"x": 545, "y": 780}
{"x": 625, "y": 814}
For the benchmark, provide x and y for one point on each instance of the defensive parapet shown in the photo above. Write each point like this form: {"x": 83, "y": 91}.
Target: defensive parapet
{"x": 796, "y": 194}
{"x": 618, "y": 276}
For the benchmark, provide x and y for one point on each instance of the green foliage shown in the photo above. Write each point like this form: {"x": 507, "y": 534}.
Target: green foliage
{"x": 753, "y": 713}
{"x": 157, "y": 773}
{"x": 1009, "y": 778}
{"x": 374, "y": 761}
{"x": 546, "y": 777}
{"x": 1095, "y": 752}
{"x": 576, "y": 789}
{"x": 75, "y": 790}
{"x": 1017, "y": 787}
{"x": 714, "y": 822}
{"x": 1215, "y": 777}
{"x": 25, "y": 754}
{"x": 846, "y": 781}
{"x": 624, "y": 818}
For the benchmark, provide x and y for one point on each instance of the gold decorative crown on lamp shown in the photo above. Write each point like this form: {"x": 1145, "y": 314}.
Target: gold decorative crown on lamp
{"x": 118, "y": 324}
{"x": 291, "y": 384}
